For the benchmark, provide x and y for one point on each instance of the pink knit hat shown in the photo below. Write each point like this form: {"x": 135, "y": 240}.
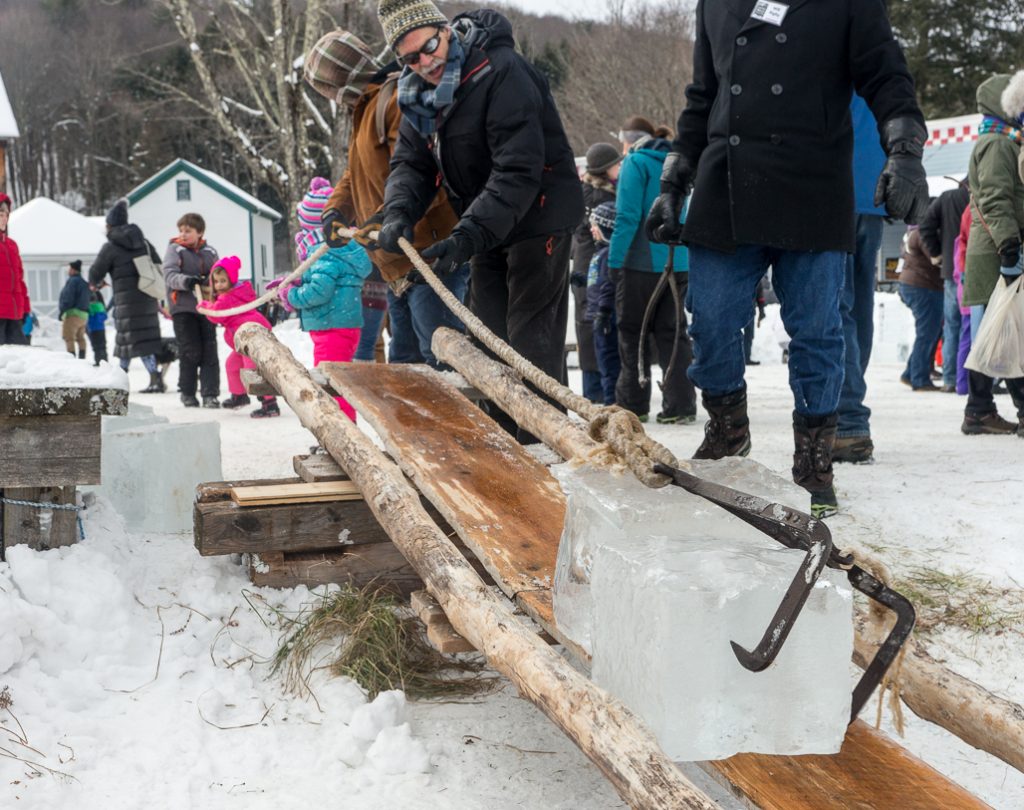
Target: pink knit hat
{"x": 230, "y": 265}
{"x": 312, "y": 205}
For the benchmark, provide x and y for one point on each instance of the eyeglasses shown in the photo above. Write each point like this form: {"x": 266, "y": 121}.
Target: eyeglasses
{"x": 428, "y": 48}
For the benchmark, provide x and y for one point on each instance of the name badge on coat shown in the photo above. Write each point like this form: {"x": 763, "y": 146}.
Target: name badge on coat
{"x": 769, "y": 12}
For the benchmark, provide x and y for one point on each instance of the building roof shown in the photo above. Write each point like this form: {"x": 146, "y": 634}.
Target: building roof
{"x": 947, "y": 151}
{"x": 8, "y": 126}
{"x": 205, "y": 176}
{"x": 42, "y": 227}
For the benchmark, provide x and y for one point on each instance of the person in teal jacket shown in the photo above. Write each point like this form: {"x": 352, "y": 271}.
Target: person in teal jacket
{"x": 329, "y": 302}
{"x": 636, "y": 265}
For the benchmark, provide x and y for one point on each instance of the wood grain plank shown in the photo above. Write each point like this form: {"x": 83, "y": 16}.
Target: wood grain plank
{"x": 263, "y": 495}
{"x": 46, "y": 451}
{"x": 359, "y": 566}
{"x": 318, "y": 467}
{"x": 63, "y": 401}
{"x": 510, "y": 513}
{"x": 39, "y": 528}
{"x": 501, "y": 501}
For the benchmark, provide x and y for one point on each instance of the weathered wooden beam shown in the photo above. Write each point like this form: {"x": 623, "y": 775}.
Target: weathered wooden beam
{"x": 49, "y": 451}
{"x": 317, "y": 467}
{"x": 39, "y": 527}
{"x": 63, "y": 401}
{"x": 366, "y": 564}
{"x": 604, "y": 729}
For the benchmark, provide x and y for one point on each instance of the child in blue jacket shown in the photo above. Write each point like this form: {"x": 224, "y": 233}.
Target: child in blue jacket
{"x": 329, "y": 302}
{"x": 601, "y": 301}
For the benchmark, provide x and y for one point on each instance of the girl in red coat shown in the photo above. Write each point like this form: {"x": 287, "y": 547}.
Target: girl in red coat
{"x": 230, "y": 293}
{"x": 14, "y": 303}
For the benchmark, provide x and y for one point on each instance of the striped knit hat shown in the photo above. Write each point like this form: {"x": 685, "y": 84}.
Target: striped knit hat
{"x": 399, "y": 17}
{"x": 604, "y": 218}
{"x": 312, "y": 205}
{"x": 340, "y": 66}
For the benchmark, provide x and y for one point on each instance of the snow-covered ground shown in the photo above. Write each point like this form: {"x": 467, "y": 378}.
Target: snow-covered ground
{"x": 137, "y": 669}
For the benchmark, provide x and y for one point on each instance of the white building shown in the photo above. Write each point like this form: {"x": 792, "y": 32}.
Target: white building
{"x": 8, "y": 132}
{"x": 49, "y": 237}
{"x": 237, "y": 224}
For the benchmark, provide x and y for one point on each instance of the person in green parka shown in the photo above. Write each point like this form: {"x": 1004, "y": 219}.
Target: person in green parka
{"x": 994, "y": 246}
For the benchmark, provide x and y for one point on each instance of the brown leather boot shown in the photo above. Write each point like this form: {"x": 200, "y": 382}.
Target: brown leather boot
{"x": 813, "y": 439}
{"x": 727, "y": 432}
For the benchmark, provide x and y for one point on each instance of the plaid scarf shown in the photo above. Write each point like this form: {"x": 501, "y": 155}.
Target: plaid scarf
{"x": 990, "y": 125}
{"x": 419, "y": 101}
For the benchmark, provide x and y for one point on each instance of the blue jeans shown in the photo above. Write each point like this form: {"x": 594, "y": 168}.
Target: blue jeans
{"x": 372, "y": 319}
{"x": 148, "y": 360}
{"x": 950, "y": 331}
{"x": 927, "y": 308}
{"x": 856, "y": 307}
{"x": 808, "y": 285}
{"x": 416, "y": 314}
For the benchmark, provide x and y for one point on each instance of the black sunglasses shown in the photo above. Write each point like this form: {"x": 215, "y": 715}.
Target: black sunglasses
{"x": 428, "y": 47}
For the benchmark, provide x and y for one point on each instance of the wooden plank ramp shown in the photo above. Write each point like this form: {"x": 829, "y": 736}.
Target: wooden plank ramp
{"x": 508, "y": 509}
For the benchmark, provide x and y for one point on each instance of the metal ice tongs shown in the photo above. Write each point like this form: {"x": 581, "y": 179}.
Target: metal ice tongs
{"x": 797, "y": 530}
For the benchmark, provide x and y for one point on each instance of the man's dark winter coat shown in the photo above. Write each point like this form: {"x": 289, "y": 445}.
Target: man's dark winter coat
{"x": 941, "y": 225}
{"x": 500, "y": 148}
{"x": 768, "y": 117}
{"x": 74, "y": 295}
{"x": 135, "y": 314}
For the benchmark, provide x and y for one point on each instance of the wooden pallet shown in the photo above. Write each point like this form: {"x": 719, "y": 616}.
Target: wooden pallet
{"x": 508, "y": 510}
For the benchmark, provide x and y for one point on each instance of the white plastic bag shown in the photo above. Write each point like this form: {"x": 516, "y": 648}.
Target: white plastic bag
{"x": 999, "y": 348}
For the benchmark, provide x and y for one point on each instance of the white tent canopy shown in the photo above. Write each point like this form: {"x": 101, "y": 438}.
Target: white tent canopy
{"x": 49, "y": 236}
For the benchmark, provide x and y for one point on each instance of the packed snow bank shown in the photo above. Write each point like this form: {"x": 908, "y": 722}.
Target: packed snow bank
{"x": 36, "y": 367}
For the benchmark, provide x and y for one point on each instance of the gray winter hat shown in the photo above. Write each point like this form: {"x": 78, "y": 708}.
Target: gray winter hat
{"x": 601, "y": 157}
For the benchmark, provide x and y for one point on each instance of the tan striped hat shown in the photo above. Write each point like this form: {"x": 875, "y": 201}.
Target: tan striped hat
{"x": 340, "y": 67}
{"x": 399, "y": 17}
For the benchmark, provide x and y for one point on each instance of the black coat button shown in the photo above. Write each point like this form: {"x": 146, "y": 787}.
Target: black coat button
{"x": 780, "y": 37}
{"x": 735, "y": 89}
{"x": 734, "y": 140}
{"x": 776, "y": 89}
{"x": 775, "y": 139}
{"x": 741, "y": 40}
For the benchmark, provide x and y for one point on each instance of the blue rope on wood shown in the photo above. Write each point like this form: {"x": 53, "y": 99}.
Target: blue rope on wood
{"x": 66, "y": 507}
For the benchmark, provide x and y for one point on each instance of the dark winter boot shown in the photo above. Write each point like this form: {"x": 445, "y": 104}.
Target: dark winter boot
{"x": 81, "y": 354}
{"x": 235, "y": 401}
{"x": 156, "y": 384}
{"x": 211, "y": 402}
{"x": 727, "y": 432}
{"x": 189, "y": 401}
{"x": 268, "y": 407}
{"x": 813, "y": 438}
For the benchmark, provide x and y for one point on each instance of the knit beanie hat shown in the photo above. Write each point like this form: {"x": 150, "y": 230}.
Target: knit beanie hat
{"x": 76, "y": 265}
{"x": 230, "y": 265}
{"x": 340, "y": 67}
{"x": 399, "y": 17}
{"x": 312, "y": 205}
{"x": 601, "y": 157}
{"x": 604, "y": 218}
{"x": 118, "y": 215}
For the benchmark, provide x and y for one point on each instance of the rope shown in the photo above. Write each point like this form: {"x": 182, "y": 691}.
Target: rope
{"x": 269, "y": 295}
{"x": 64, "y": 507}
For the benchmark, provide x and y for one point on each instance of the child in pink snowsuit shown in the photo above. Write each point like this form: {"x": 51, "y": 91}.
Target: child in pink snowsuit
{"x": 230, "y": 293}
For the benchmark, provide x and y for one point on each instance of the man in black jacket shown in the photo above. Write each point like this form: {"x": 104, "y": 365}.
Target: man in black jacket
{"x": 939, "y": 229}
{"x": 765, "y": 142}
{"x": 479, "y": 120}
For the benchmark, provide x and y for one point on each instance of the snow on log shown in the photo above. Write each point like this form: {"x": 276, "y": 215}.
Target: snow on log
{"x": 604, "y": 729}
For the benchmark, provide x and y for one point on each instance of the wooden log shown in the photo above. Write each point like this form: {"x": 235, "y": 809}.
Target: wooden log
{"x": 944, "y": 705}
{"x": 937, "y": 694}
{"x": 38, "y": 527}
{"x": 49, "y": 451}
{"x": 604, "y": 729}
{"x": 317, "y": 467}
{"x": 498, "y": 382}
{"x": 368, "y": 564}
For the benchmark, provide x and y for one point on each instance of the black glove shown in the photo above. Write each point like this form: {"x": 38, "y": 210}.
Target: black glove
{"x": 603, "y": 321}
{"x": 191, "y": 282}
{"x": 450, "y": 253}
{"x": 1009, "y": 258}
{"x": 663, "y": 219}
{"x": 578, "y": 279}
{"x": 903, "y": 184}
{"x": 394, "y": 227}
{"x": 329, "y": 220}
{"x": 760, "y": 313}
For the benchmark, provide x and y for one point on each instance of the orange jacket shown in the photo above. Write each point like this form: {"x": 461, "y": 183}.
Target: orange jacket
{"x": 360, "y": 192}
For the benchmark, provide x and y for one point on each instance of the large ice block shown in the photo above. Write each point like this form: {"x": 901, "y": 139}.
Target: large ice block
{"x": 656, "y": 583}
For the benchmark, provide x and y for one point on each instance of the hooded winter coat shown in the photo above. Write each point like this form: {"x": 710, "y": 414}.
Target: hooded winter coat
{"x": 360, "y": 191}
{"x": 241, "y": 292}
{"x": 179, "y": 264}
{"x": 329, "y": 296}
{"x": 997, "y": 191}
{"x": 768, "y": 119}
{"x": 596, "y": 190}
{"x": 941, "y": 224}
{"x": 14, "y": 302}
{"x": 500, "y": 148}
{"x": 136, "y": 314}
{"x": 639, "y": 183}
{"x": 74, "y": 295}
